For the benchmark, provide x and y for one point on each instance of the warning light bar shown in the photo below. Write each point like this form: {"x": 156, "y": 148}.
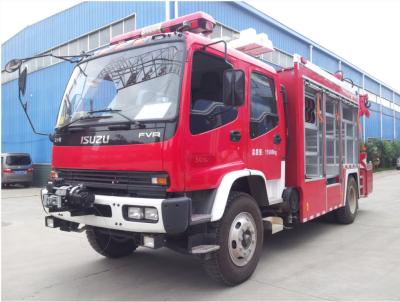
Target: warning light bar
{"x": 196, "y": 23}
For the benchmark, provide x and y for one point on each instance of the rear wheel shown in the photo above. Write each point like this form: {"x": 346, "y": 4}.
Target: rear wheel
{"x": 348, "y": 213}
{"x": 240, "y": 236}
{"x": 110, "y": 246}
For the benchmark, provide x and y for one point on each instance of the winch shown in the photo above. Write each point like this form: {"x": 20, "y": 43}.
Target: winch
{"x": 75, "y": 199}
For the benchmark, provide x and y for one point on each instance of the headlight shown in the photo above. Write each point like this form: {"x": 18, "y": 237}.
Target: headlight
{"x": 135, "y": 213}
{"x": 52, "y": 201}
{"x": 151, "y": 214}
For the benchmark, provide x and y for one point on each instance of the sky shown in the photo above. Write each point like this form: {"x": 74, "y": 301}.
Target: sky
{"x": 363, "y": 32}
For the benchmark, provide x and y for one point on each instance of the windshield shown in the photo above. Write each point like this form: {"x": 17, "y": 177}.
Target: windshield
{"x": 134, "y": 85}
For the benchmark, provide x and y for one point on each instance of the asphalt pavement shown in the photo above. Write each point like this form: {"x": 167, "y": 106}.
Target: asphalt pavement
{"x": 316, "y": 261}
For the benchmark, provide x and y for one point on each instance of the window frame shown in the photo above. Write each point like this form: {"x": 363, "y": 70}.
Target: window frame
{"x": 219, "y": 57}
{"x": 256, "y": 72}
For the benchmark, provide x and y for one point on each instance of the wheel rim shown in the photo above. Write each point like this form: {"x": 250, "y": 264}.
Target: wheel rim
{"x": 352, "y": 200}
{"x": 242, "y": 239}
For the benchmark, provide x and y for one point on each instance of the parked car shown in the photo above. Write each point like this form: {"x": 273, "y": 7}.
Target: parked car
{"x": 16, "y": 168}
{"x": 398, "y": 163}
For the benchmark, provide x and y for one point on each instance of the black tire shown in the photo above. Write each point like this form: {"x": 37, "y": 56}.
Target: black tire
{"x": 347, "y": 214}
{"x": 219, "y": 265}
{"x": 109, "y": 246}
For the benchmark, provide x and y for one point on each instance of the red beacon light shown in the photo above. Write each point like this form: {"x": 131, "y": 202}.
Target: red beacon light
{"x": 196, "y": 23}
{"x": 339, "y": 75}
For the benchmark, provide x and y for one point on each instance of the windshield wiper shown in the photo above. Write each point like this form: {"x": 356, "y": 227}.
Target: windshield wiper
{"x": 83, "y": 118}
{"x": 118, "y": 111}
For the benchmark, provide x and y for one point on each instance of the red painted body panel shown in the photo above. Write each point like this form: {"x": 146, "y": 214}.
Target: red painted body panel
{"x": 316, "y": 197}
{"x": 334, "y": 196}
{"x": 127, "y": 157}
{"x": 313, "y": 198}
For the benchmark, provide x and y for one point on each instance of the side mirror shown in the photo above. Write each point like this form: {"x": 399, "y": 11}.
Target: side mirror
{"x": 22, "y": 81}
{"x": 13, "y": 65}
{"x": 233, "y": 87}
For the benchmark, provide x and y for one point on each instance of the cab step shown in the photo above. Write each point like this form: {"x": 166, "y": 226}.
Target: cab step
{"x": 200, "y": 218}
{"x": 204, "y": 249}
{"x": 273, "y": 223}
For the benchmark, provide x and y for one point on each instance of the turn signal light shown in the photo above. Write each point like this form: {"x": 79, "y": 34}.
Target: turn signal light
{"x": 161, "y": 181}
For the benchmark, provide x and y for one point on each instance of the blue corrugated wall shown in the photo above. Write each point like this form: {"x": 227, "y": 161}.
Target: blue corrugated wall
{"x": 397, "y": 98}
{"x": 351, "y": 73}
{"x": 387, "y": 93}
{"x": 76, "y": 21}
{"x": 387, "y": 123}
{"x": 325, "y": 61}
{"x": 371, "y": 85}
{"x": 372, "y": 124}
{"x": 397, "y": 125}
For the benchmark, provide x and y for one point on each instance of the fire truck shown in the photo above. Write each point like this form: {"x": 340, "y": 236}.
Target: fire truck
{"x": 167, "y": 138}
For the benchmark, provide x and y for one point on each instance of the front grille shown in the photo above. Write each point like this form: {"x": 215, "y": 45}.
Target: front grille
{"x": 116, "y": 182}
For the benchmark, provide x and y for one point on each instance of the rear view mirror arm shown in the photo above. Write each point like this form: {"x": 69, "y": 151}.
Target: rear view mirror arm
{"x": 17, "y": 66}
{"x": 25, "y": 109}
{"x": 225, "y": 50}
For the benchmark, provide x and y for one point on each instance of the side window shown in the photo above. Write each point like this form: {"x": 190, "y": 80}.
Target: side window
{"x": 207, "y": 110}
{"x": 264, "y": 113}
{"x": 349, "y": 134}
{"x": 313, "y": 133}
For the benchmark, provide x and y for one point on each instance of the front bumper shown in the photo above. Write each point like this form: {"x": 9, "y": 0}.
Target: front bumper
{"x": 173, "y": 213}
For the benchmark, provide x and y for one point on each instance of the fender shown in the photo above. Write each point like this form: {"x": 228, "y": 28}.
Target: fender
{"x": 347, "y": 172}
{"x": 274, "y": 189}
{"x": 221, "y": 198}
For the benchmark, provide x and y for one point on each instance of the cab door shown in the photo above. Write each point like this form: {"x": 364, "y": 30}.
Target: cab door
{"x": 266, "y": 142}
{"x": 216, "y": 138}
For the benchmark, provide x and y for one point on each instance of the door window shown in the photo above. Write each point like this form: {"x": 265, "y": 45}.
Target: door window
{"x": 207, "y": 110}
{"x": 263, "y": 107}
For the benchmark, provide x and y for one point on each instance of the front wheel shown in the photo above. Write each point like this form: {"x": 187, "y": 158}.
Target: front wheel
{"x": 110, "y": 246}
{"x": 348, "y": 213}
{"x": 240, "y": 236}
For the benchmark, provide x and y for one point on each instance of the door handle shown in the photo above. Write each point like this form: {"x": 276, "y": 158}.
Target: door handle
{"x": 277, "y": 139}
{"x": 235, "y": 135}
